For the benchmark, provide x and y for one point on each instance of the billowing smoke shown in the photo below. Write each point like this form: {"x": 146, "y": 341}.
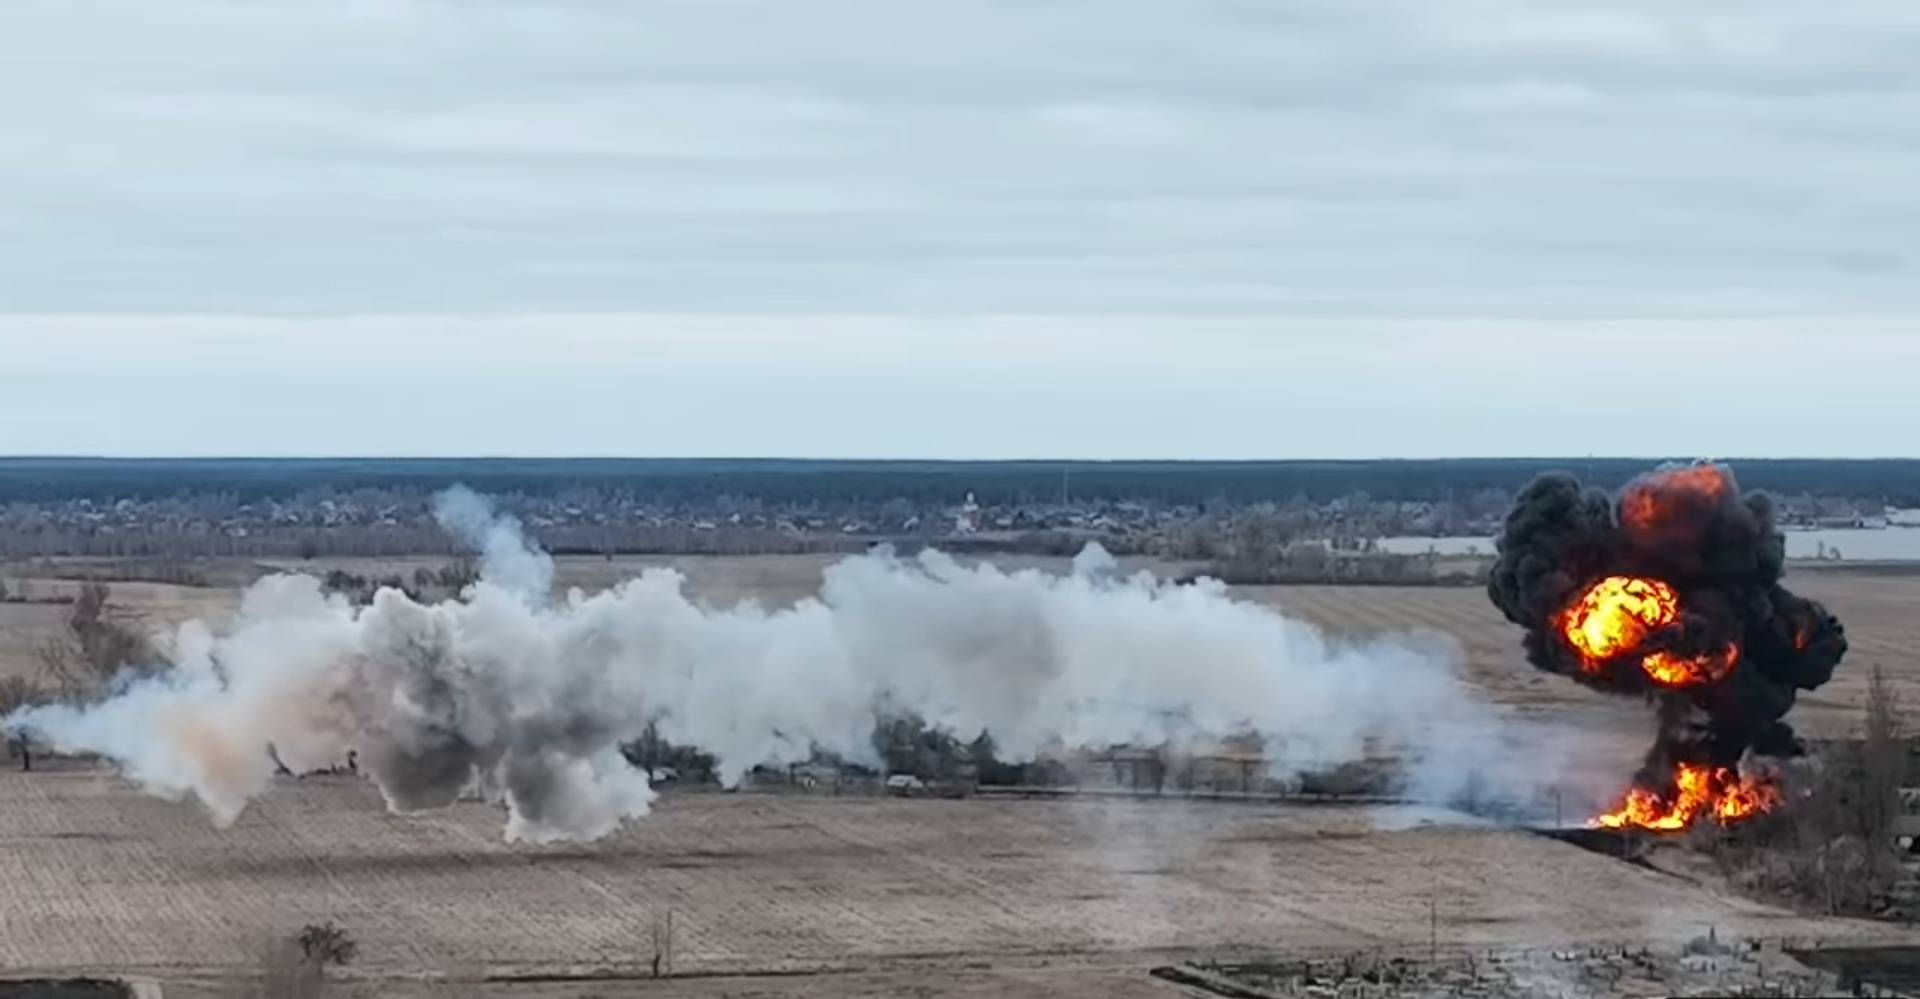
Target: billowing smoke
{"x": 528, "y": 698}
{"x": 507, "y": 559}
{"x": 1672, "y": 589}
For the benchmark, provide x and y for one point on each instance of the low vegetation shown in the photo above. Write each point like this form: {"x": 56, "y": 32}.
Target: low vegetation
{"x": 424, "y": 585}
{"x": 1834, "y": 849}
{"x": 296, "y": 968}
{"x": 17, "y": 692}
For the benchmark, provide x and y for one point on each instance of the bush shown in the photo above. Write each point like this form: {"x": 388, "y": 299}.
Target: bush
{"x": 1832, "y": 847}
{"x": 324, "y": 943}
{"x": 17, "y": 692}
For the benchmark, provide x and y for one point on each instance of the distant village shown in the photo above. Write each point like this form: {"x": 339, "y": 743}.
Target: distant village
{"x": 378, "y": 522}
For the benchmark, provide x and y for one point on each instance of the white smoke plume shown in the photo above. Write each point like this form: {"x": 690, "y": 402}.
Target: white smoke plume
{"x": 528, "y": 698}
{"x": 507, "y": 559}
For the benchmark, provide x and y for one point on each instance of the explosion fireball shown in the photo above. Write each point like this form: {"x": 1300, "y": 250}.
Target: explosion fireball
{"x": 1616, "y": 615}
{"x": 1671, "y": 591}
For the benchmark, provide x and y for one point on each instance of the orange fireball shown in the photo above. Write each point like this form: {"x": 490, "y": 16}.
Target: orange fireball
{"x": 1652, "y": 502}
{"x": 1669, "y": 670}
{"x": 1616, "y": 615}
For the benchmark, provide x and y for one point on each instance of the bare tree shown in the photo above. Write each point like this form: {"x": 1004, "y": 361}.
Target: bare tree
{"x": 94, "y": 648}
{"x": 1883, "y": 762}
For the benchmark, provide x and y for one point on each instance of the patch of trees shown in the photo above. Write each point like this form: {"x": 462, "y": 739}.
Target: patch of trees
{"x": 78, "y": 664}
{"x": 423, "y": 586}
{"x": 660, "y": 757}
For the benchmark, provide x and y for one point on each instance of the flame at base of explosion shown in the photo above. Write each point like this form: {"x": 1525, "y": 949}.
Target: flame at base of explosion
{"x": 1715, "y": 793}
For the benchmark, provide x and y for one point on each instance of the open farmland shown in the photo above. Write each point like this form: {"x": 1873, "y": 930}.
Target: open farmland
{"x": 775, "y": 894}
{"x": 100, "y": 876}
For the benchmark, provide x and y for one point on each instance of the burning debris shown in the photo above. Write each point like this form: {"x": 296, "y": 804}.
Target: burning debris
{"x": 1672, "y": 590}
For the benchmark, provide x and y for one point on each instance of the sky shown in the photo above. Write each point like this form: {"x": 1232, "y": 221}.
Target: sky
{"x": 1010, "y": 229}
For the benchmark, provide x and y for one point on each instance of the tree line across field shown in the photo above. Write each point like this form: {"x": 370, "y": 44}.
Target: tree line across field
{"x": 1897, "y": 481}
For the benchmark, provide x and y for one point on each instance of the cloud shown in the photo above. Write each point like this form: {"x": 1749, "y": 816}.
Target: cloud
{"x": 1497, "y": 157}
{"x": 1007, "y": 387}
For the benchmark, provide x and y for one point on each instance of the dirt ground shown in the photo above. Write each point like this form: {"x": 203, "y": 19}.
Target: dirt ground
{"x": 103, "y": 877}
{"x": 817, "y": 896}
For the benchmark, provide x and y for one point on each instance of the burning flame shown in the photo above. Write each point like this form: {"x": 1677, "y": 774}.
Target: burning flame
{"x": 1650, "y": 503}
{"x": 1616, "y": 615}
{"x": 1669, "y": 670}
{"x": 1698, "y": 791}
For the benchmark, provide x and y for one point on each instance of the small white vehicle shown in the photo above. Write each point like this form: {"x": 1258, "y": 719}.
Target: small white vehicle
{"x": 905, "y": 784}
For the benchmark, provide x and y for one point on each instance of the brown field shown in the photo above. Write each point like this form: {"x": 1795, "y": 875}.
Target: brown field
{"x": 100, "y": 876}
{"x": 848, "y": 896}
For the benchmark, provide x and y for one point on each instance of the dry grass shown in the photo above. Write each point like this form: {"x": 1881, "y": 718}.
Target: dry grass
{"x": 1055, "y": 894}
{"x": 102, "y": 876}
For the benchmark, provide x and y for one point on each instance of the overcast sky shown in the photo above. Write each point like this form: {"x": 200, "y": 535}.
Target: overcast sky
{"x": 1043, "y": 228}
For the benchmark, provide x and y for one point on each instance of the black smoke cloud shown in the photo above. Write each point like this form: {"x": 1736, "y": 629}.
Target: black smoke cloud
{"x": 1690, "y": 527}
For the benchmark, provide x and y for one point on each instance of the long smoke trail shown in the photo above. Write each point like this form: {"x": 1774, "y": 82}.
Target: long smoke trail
{"x": 528, "y": 698}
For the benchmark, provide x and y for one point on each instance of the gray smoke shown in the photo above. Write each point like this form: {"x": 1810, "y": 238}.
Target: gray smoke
{"x": 527, "y": 698}
{"x": 507, "y": 558}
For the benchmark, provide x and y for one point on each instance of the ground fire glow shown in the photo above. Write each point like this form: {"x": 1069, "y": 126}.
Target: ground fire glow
{"x": 1698, "y": 792}
{"x": 1670, "y": 590}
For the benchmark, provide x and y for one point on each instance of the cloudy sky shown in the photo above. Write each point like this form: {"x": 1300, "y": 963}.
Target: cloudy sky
{"x": 1111, "y": 228}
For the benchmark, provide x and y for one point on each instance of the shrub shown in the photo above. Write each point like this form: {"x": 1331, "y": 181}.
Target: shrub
{"x": 324, "y": 943}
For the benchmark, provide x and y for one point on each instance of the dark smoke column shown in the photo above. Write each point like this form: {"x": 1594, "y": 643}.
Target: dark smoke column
{"x": 1672, "y": 589}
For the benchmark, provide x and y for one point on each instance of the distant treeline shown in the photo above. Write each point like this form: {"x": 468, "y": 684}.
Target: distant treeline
{"x": 694, "y": 480}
